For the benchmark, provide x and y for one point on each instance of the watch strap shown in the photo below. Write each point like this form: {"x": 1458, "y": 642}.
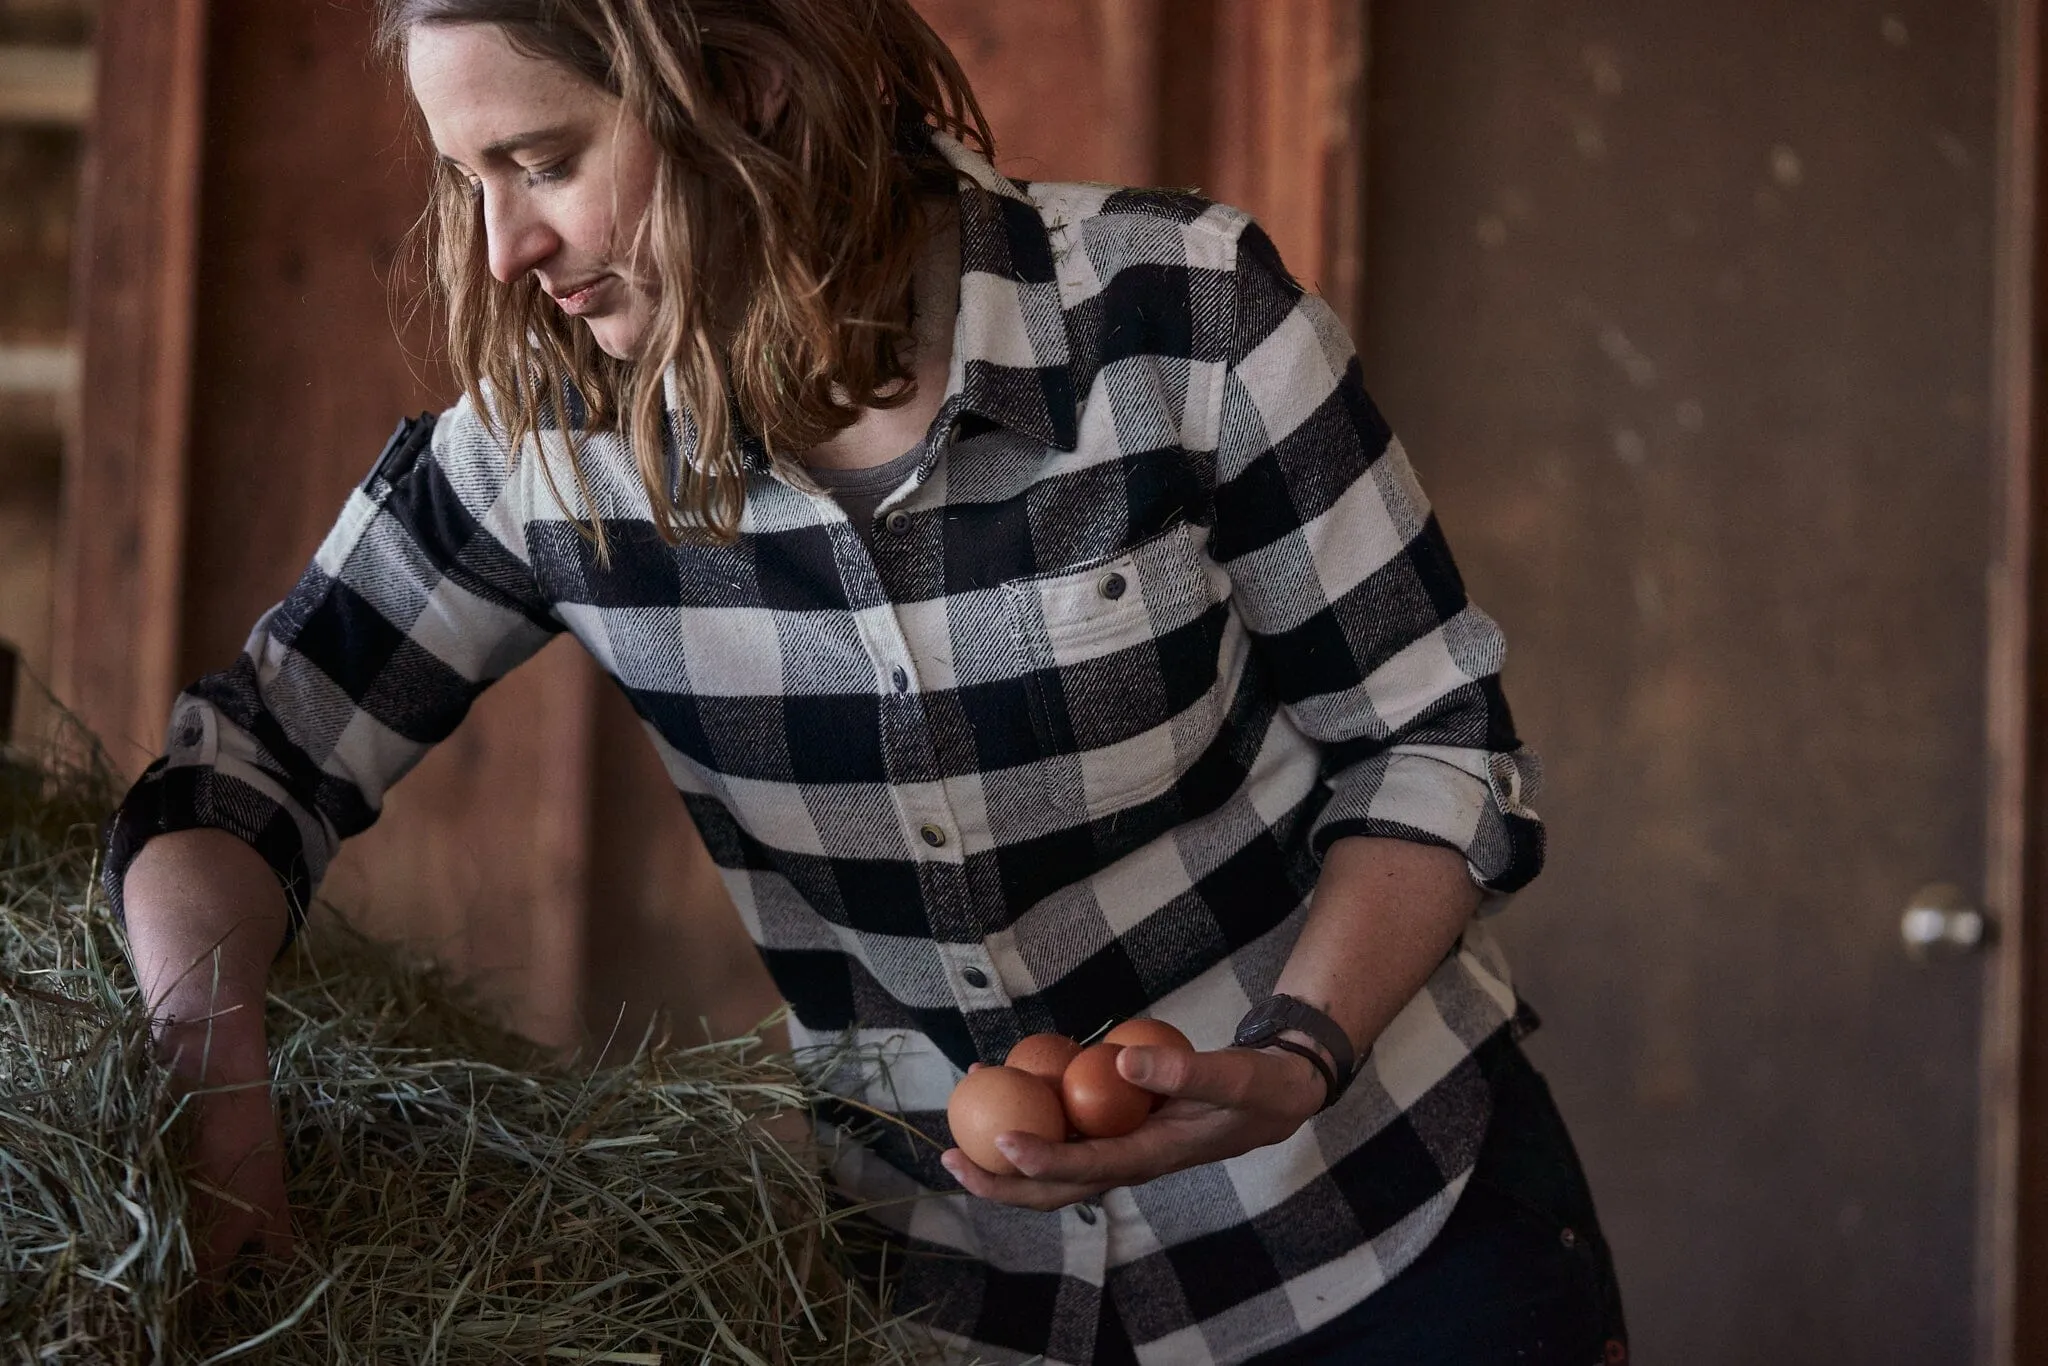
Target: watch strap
{"x": 1332, "y": 1088}
{"x": 1278, "y": 1014}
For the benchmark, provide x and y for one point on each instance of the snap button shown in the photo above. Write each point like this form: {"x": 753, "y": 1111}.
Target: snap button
{"x": 897, "y": 522}
{"x": 1113, "y": 586}
{"x": 933, "y": 836}
{"x": 975, "y": 977}
{"x": 900, "y": 679}
{"x": 1085, "y": 1213}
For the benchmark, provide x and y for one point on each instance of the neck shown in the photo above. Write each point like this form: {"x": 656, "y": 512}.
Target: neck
{"x": 882, "y": 434}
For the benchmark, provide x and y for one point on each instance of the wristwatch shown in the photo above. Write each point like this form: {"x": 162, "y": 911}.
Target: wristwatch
{"x": 1263, "y": 1025}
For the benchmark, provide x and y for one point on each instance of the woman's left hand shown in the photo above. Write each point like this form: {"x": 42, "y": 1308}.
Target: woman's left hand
{"x": 1219, "y": 1104}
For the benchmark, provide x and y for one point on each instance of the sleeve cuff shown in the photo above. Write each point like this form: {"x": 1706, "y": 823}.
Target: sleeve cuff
{"x": 168, "y": 799}
{"x": 1428, "y": 800}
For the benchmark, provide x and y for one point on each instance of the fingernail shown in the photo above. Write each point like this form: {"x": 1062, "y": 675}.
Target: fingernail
{"x": 1137, "y": 1064}
{"x": 1007, "y": 1146}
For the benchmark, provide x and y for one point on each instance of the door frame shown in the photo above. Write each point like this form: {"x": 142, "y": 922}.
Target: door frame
{"x": 2013, "y": 1185}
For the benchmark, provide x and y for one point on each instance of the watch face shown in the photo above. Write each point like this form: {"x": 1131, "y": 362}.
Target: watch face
{"x": 1262, "y": 1023}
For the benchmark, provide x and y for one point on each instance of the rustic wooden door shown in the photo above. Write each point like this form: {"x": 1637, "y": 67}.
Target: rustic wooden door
{"x": 1685, "y": 311}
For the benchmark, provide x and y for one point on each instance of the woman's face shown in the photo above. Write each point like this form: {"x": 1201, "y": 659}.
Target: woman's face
{"x": 564, "y": 174}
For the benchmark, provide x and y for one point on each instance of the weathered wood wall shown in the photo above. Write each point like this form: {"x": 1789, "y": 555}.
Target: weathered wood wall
{"x": 41, "y": 145}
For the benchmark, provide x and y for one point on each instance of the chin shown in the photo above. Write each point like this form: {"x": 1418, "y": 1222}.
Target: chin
{"x": 616, "y": 339}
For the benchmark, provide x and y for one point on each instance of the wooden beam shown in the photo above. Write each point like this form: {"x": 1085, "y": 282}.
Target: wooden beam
{"x": 1130, "y": 84}
{"x": 2013, "y": 1202}
{"x": 45, "y": 84}
{"x": 122, "y": 536}
{"x": 1287, "y": 139}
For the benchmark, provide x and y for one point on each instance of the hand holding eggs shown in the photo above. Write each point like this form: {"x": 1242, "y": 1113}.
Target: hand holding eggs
{"x": 1049, "y": 1084}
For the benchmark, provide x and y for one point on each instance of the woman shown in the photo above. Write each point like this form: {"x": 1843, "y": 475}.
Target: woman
{"x": 1040, "y": 625}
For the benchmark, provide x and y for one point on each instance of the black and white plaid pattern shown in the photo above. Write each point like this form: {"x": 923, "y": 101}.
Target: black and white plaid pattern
{"x": 1162, "y": 613}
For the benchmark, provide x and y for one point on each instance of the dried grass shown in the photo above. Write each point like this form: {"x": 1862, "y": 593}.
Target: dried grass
{"x": 459, "y": 1197}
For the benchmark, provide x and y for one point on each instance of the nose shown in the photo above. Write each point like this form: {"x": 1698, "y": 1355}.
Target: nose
{"x": 516, "y": 237}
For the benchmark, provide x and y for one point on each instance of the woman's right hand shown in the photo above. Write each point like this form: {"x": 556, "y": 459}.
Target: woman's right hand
{"x": 237, "y": 1146}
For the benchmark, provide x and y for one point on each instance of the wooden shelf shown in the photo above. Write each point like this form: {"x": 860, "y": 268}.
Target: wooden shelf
{"x": 45, "y": 84}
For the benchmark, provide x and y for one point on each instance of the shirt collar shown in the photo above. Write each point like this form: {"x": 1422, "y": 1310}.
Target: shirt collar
{"x": 1012, "y": 362}
{"x": 1011, "y": 357}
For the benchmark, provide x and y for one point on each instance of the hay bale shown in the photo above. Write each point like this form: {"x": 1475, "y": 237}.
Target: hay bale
{"x": 458, "y": 1196}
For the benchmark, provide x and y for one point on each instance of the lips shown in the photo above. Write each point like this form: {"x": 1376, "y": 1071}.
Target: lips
{"x": 579, "y": 299}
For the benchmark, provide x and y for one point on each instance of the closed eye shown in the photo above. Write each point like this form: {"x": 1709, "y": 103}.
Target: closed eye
{"x": 542, "y": 175}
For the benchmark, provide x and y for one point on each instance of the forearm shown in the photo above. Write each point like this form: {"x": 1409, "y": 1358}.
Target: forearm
{"x": 1384, "y": 914}
{"x": 205, "y": 916}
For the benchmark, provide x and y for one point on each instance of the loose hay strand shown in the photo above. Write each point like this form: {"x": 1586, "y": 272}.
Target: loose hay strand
{"x": 459, "y": 1196}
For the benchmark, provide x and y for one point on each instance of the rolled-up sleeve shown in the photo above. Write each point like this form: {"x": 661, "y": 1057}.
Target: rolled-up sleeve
{"x": 1342, "y": 576}
{"x": 419, "y": 598}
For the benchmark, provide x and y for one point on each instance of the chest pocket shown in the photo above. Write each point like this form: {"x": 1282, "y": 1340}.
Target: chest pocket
{"x": 1126, "y": 669}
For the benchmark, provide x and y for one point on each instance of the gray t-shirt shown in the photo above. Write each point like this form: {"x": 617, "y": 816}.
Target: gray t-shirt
{"x": 860, "y": 492}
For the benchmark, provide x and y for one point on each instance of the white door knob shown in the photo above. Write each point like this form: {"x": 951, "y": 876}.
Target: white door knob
{"x": 1940, "y": 922}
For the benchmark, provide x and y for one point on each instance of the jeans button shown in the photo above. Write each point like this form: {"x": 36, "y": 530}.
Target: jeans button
{"x": 975, "y": 977}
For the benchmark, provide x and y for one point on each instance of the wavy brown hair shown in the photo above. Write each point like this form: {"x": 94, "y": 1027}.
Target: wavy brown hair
{"x": 783, "y": 245}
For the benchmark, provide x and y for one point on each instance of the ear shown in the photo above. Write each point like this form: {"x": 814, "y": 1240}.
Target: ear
{"x": 773, "y": 96}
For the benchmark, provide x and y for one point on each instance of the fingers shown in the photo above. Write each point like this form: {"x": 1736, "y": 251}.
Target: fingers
{"x": 279, "y": 1239}
{"x": 1226, "y": 1077}
{"x": 1022, "y": 1191}
{"x": 1054, "y": 1174}
{"x": 1248, "y": 1080}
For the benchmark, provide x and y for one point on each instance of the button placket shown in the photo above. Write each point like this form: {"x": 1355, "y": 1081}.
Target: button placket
{"x": 930, "y": 825}
{"x": 973, "y": 977}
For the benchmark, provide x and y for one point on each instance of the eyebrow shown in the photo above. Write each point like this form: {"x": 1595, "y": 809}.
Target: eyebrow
{"x": 518, "y": 142}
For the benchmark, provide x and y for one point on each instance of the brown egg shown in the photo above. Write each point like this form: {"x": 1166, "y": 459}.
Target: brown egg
{"x": 1002, "y": 1100}
{"x": 1044, "y": 1056}
{"x": 1151, "y": 1034}
{"x": 1100, "y": 1103}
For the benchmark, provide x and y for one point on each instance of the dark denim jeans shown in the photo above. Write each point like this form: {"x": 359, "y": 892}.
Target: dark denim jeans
{"x": 1520, "y": 1275}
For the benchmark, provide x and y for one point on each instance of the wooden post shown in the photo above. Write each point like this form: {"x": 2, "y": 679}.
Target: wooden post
{"x": 122, "y": 538}
{"x": 1287, "y": 139}
{"x": 2013, "y": 1207}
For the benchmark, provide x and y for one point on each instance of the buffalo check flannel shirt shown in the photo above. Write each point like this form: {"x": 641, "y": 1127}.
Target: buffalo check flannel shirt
{"x": 1161, "y": 613}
